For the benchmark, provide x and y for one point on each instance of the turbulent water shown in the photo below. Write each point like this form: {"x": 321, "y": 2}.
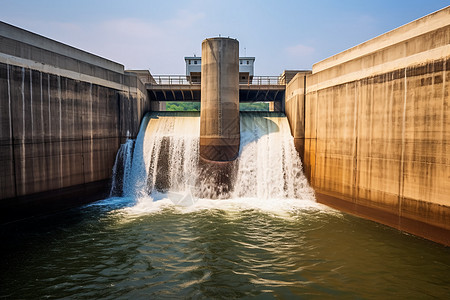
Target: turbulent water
{"x": 165, "y": 164}
{"x": 176, "y": 228}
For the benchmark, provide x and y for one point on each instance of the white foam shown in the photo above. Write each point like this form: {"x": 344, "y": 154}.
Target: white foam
{"x": 268, "y": 174}
{"x": 162, "y": 202}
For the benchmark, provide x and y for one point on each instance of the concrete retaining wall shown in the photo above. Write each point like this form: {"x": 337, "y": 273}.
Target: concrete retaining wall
{"x": 295, "y": 108}
{"x": 377, "y": 126}
{"x": 64, "y": 113}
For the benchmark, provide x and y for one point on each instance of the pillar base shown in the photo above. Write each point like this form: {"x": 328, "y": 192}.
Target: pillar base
{"x": 219, "y": 149}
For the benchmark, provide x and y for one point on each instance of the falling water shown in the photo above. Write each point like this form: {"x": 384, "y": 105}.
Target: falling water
{"x": 165, "y": 162}
{"x": 122, "y": 167}
{"x": 165, "y": 155}
{"x": 268, "y": 164}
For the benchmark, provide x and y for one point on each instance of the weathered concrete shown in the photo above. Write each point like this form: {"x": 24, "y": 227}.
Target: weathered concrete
{"x": 377, "y": 124}
{"x": 219, "y": 116}
{"x": 63, "y": 115}
{"x": 295, "y": 108}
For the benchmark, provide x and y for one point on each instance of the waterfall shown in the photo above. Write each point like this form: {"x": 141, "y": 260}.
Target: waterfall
{"x": 165, "y": 160}
{"x": 166, "y": 154}
{"x": 122, "y": 167}
{"x": 268, "y": 164}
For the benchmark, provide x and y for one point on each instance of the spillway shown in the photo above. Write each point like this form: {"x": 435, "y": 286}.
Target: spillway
{"x": 166, "y": 161}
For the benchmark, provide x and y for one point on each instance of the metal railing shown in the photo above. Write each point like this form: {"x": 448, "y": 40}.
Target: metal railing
{"x": 173, "y": 80}
{"x": 262, "y": 80}
{"x": 186, "y": 80}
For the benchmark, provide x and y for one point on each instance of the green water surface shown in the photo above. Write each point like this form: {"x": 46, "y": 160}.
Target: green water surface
{"x": 98, "y": 252}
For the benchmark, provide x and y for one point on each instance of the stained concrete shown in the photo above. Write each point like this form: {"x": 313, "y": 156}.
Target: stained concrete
{"x": 219, "y": 115}
{"x": 295, "y": 108}
{"x": 62, "y": 121}
{"x": 377, "y": 122}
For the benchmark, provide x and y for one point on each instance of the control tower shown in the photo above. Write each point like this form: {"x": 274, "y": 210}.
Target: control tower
{"x": 194, "y": 67}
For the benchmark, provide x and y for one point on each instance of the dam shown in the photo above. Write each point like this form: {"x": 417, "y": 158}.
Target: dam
{"x": 105, "y": 194}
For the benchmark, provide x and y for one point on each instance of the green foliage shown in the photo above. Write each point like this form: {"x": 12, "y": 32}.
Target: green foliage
{"x": 195, "y": 106}
{"x": 254, "y": 106}
{"x": 182, "y": 106}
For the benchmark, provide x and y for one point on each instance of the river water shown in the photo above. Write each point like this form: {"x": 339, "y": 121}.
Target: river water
{"x": 168, "y": 232}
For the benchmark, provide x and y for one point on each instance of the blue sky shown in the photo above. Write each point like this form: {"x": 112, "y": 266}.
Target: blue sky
{"x": 156, "y": 35}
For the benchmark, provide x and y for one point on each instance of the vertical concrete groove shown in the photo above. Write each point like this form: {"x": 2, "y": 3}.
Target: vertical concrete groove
{"x": 61, "y": 181}
{"x": 304, "y": 111}
{"x": 31, "y": 104}
{"x": 49, "y": 123}
{"x": 82, "y": 93}
{"x": 356, "y": 135}
{"x": 402, "y": 158}
{"x": 372, "y": 109}
{"x": 44, "y": 171}
{"x": 82, "y": 148}
{"x": 91, "y": 140}
{"x": 11, "y": 131}
{"x": 315, "y": 146}
{"x": 443, "y": 121}
{"x": 66, "y": 100}
{"x": 22, "y": 148}
{"x": 119, "y": 123}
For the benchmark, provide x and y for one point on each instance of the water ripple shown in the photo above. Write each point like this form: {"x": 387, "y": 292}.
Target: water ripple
{"x": 221, "y": 253}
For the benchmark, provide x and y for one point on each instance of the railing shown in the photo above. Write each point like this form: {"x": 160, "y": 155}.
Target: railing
{"x": 186, "y": 80}
{"x": 262, "y": 80}
{"x": 173, "y": 80}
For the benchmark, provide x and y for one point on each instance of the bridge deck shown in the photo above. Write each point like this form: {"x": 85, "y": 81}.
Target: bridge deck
{"x": 177, "y": 88}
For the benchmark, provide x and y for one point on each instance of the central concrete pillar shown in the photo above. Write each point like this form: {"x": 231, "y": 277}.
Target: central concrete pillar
{"x": 219, "y": 116}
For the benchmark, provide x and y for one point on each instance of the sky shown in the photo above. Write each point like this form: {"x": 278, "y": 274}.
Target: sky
{"x": 157, "y": 35}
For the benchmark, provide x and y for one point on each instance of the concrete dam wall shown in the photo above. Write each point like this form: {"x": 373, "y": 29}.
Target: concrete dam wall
{"x": 373, "y": 126}
{"x": 64, "y": 113}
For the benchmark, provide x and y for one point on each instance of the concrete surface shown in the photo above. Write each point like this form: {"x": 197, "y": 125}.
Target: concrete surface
{"x": 377, "y": 123}
{"x": 62, "y": 120}
{"x": 219, "y": 115}
{"x": 295, "y": 107}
